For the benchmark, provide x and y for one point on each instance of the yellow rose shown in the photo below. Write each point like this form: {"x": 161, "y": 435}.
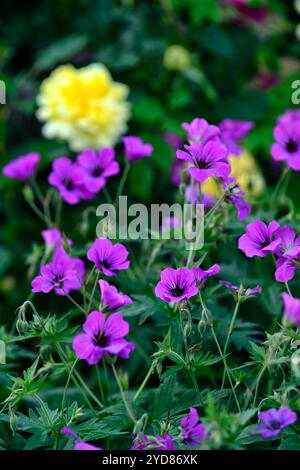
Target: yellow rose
{"x": 83, "y": 106}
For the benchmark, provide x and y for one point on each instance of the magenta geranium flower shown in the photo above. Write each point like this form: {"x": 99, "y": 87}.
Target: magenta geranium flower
{"x": 193, "y": 432}
{"x": 78, "y": 443}
{"x": 287, "y": 143}
{"x": 289, "y": 244}
{"x": 69, "y": 179}
{"x": 201, "y": 274}
{"x": 62, "y": 275}
{"x": 206, "y": 160}
{"x": 200, "y": 130}
{"x": 53, "y": 238}
{"x": 235, "y": 195}
{"x": 176, "y": 285}
{"x": 97, "y": 167}
{"x": 259, "y": 239}
{"x": 103, "y": 336}
{"x": 111, "y": 298}
{"x": 22, "y": 168}
{"x": 273, "y": 421}
{"x": 107, "y": 257}
{"x": 291, "y": 308}
{"x": 286, "y": 267}
{"x": 233, "y": 132}
{"x": 291, "y": 115}
{"x": 135, "y": 148}
{"x": 243, "y": 292}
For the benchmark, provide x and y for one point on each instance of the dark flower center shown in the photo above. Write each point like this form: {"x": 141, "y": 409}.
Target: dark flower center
{"x": 202, "y": 164}
{"x": 291, "y": 146}
{"x": 275, "y": 424}
{"x": 68, "y": 184}
{"x": 101, "y": 340}
{"x": 177, "y": 291}
{"x": 97, "y": 172}
{"x": 105, "y": 264}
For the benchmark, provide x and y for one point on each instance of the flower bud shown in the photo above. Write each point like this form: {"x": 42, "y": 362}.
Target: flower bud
{"x": 28, "y": 194}
{"x": 177, "y": 58}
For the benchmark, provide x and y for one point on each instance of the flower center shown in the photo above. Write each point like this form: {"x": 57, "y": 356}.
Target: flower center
{"x": 291, "y": 146}
{"x": 274, "y": 424}
{"x": 202, "y": 164}
{"x": 97, "y": 172}
{"x": 101, "y": 340}
{"x": 68, "y": 184}
{"x": 177, "y": 291}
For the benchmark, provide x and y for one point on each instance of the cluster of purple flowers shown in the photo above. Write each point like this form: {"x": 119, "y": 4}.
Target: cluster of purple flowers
{"x": 261, "y": 239}
{"x": 206, "y": 156}
{"x": 84, "y": 178}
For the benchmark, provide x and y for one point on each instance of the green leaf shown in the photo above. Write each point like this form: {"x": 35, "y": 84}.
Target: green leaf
{"x": 60, "y": 51}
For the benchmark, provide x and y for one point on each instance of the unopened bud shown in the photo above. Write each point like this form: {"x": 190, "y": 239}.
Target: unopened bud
{"x": 202, "y": 326}
{"x": 28, "y": 194}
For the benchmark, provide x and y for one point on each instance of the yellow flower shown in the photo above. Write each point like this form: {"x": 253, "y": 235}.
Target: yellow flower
{"x": 247, "y": 174}
{"x": 83, "y": 106}
{"x": 177, "y": 58}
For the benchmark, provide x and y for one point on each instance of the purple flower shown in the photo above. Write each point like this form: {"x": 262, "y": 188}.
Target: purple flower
{"x": 111, "y": 298}
{"x": 69, "y": 179}
{"x": 200, "y": 130}
{"x": 206, "y": 160}
{"x": 63, "y": 274}
{"x": 135, "y": 148}
{"x": 177, "y": 169}
{"x": 201, "y": 275}
{"x": 78, "y": 443}
{"x": 233, "y": 132}
{"x": 97, "y": 167}
{"x": 193, "y": 432}
{"x": 286, "y": 267}
{"x": 53, "y": 238}
{"x": 291, "y": 115}
{"x": 291, "y": 308}
{"x": 289, "y": 245}
{"x": 287, "y": 143}
{"x": 176, "y": 285}
{"x": 235, "y": 195}
{"x": 107, "y": 257}
{"x": 275, "y": 420}
{"x": 243, "y": 292}
{"x": 103, "y": 336}
{"x": 164, "y": 443}
{"x": 140, "y": 442}
{"x": 22, "y": 168}
{"x": 173, "y": 139}
{"x": 259, "y": 239}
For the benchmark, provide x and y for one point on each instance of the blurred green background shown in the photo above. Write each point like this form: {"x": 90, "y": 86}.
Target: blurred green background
{"x": 233, "y": 62}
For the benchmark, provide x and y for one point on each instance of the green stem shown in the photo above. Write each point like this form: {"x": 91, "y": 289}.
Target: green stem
{"x": 67, "y": 385}
{"x": 144, "y": 383}
{"x": 100, "y": 384}
{"x": 93, "y": 291}
{"x": 122, "y": 182}
{"x": 260, "y": 376}
{"x": 231, "y": 327}
{"x": 74, "y": 302}
{"x": 127, "y": 407}
{"x": 42, "y": 405}
{"x": 226, "y": 368}
{"x": 278, "y": 186}
{"x": 214, "y": 209}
